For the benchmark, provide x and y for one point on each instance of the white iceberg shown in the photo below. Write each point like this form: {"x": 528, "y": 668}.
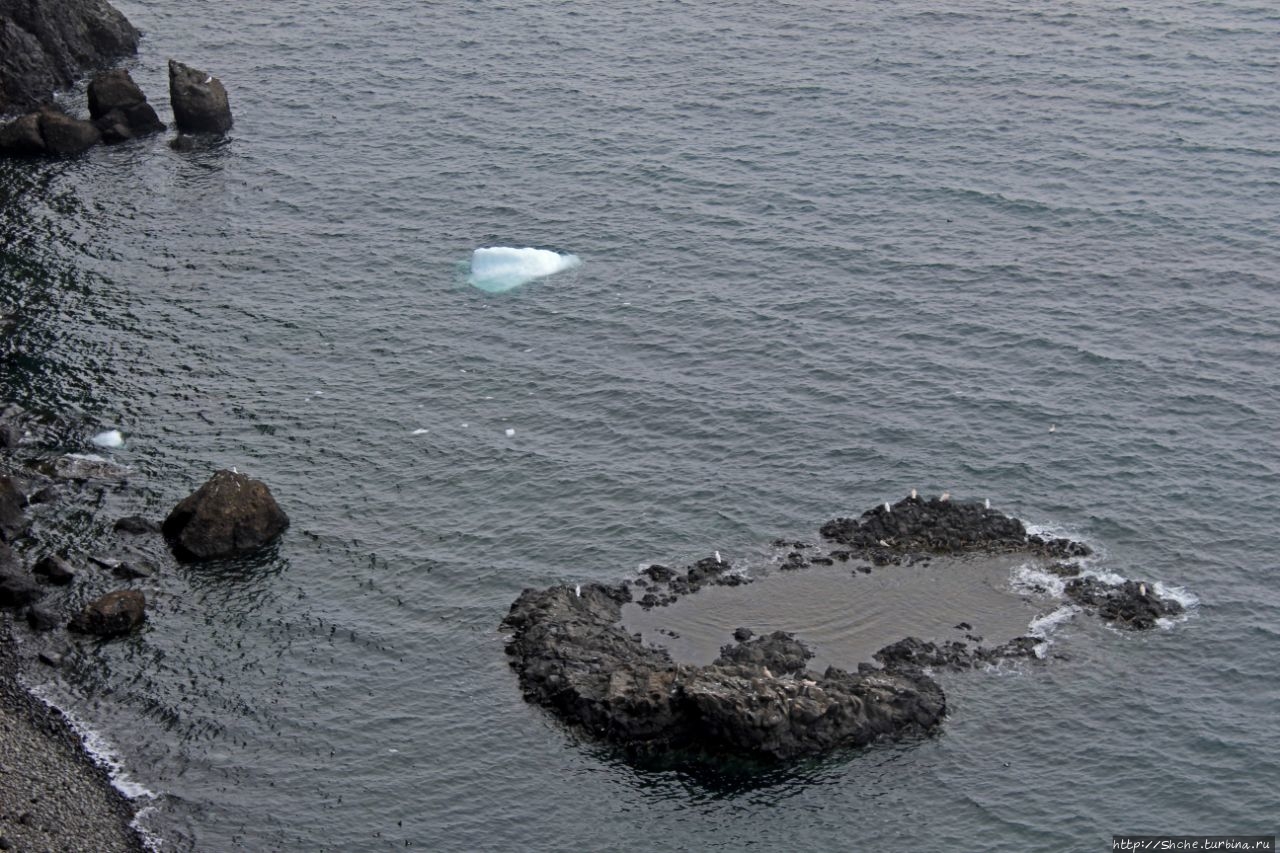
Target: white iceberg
{"x": 110, "y": 438}
{"x": 497, "y": 269}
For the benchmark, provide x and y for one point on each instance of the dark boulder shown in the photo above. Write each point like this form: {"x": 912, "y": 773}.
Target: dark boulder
{"x": 47, "y": 46}
{"x": 10, "y": 433}
{"x": 1132, "y": 604}
{"x": 21, "y": 137}
{"x": 113, "y": 90}
{"x": 12, "y": 520}
{"x": 17, "y": 589}
{"x": 136, "y": 525}
{"x": 54, "y": 569}
{"x": 40, "y": 619}
{"x": 229, "y": 515}
{"x": 114, "y": 613}
{"x": 65, "y": 136}
{"x": 119, "y": 109}
{"x": 659, "y": 573}
{"x": 199, "y": 100}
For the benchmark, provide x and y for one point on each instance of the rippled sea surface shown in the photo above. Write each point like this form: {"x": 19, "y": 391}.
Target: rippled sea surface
{"x": 831, "y": 252}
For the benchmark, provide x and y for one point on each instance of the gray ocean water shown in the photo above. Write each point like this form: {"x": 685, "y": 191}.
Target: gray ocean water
{"x": 831, "y": 252}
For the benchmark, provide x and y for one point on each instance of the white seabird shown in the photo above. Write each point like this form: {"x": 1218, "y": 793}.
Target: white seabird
{"x": 945, "y": 496}
{"x": 913, "y": 494}
{"x": 577, "y": 590}
{"x": 718, "y": 560}
{"x": 988, "y": 504}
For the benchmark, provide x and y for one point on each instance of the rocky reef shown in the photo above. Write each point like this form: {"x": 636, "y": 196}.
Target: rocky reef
{"x": 758, "y": 698}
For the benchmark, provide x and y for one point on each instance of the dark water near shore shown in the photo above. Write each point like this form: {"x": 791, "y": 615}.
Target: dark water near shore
{"x": 831, "y": 253}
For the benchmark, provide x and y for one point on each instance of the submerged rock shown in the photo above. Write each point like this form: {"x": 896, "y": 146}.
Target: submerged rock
{"x": 199, "y": 100}
{"x": 229, "y": 515}
{"x": 113, "y": 614}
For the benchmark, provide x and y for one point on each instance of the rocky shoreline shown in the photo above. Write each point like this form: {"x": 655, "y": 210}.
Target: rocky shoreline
{"x": 52, "y": 794}
{"x": 758, "y": 699}
{"x": 47, "y": 45}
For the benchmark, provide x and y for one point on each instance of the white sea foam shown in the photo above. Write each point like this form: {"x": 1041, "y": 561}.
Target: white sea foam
{"x": 100, "y": 750}
{"x": 1042, "y": 626}
{"x": 110, "y": 438}
{"x": 497, "y": 269}
{"x": 1030, "y": 578}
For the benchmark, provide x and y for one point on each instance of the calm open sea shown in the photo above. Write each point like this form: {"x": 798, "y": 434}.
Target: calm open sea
{"x": 830, "y": 252}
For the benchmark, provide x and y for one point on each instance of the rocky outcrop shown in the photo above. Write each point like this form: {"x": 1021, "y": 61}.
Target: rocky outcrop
{"x": 48, "y": 132}
{"x": 916, "y": 525}
{"x": 668, "y": 584}
{"x": 1132, "y": 604}
{"x": 119, "y": 109}
{"x": 757, "y": 699}
{"x": 111, "y": 615}
{"x": 45, "y": 46}
{"x": 199, "y": 100}
{"x": 229, "y": 515}
{"x": 912, "y": 653}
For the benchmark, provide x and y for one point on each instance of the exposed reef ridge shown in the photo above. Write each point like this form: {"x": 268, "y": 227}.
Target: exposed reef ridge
{"x": 758, "y": 698}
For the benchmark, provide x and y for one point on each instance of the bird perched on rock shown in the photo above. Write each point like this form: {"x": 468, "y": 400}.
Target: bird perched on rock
{"x": 946, "y": 496}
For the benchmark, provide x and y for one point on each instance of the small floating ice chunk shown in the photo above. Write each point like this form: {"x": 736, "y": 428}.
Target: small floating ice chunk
{"x": 496, "y": 269}
{"x": 110, "y": 438}
{"x": 510, "y": 432}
